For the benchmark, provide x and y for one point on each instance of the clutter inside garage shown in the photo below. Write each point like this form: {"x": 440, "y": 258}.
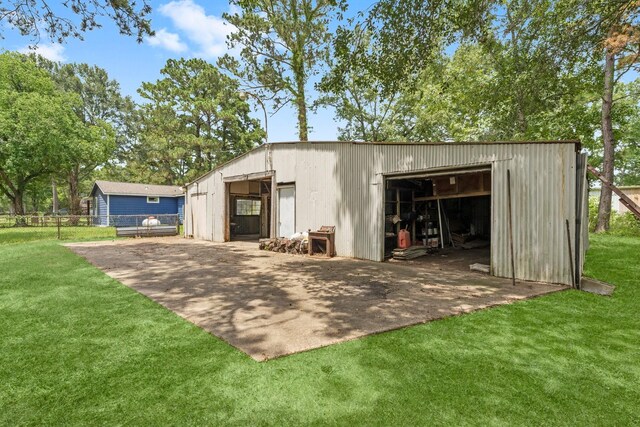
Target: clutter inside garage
{"x": 438, "y": 213}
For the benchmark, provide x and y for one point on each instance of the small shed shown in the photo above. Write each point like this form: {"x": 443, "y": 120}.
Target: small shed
{"x": 127, "y": 198}
{"x": 633, "y": 192}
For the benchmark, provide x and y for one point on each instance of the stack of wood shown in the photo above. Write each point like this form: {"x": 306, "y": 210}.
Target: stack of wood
{"x": 286, "y": 246}
{"x": 460, "y": 238}
{"x": 410, "y": 253}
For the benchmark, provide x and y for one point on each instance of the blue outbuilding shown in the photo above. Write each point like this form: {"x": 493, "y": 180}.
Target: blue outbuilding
{"x": 125, "y": 203}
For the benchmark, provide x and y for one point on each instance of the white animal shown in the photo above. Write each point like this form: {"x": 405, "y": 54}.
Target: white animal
{"x": 150, "y": 222}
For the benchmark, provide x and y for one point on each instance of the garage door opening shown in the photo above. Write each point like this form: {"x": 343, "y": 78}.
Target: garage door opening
{"x": 249, "y": 209}
{"x": 445, "y": 214}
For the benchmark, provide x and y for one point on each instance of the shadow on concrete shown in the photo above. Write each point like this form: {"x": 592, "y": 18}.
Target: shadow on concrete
{"x": 269, "y": 305}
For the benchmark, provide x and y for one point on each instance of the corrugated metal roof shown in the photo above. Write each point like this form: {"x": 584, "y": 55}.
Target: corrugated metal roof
{"x": 138, "y": 189}
{"x": 374, "y": 143}
{"x": 387, "y": 143}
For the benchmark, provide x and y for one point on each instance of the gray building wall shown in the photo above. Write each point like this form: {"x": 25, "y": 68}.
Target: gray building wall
{"x": 342, "y": 184}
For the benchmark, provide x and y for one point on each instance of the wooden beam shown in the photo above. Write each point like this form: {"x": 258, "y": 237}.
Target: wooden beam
{"x": 453, "y": 196}
{"x": 249, "y": 177}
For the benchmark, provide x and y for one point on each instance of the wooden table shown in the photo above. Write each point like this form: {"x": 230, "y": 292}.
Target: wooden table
{"x": 325, "y": 235}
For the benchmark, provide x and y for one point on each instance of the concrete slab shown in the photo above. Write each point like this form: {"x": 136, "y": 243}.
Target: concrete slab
{"x": 270, "y": 305}
{"x": 597, "y": 287}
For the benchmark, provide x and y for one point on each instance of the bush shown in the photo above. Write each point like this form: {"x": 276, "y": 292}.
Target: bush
{"x": 625, "y": 224}
{"x": 593, "y": 213}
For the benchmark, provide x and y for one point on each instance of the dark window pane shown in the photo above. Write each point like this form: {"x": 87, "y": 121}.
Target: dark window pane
{"x": 247, "y": 207}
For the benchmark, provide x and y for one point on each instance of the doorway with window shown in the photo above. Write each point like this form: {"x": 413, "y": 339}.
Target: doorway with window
{"x": 249, "y": 209}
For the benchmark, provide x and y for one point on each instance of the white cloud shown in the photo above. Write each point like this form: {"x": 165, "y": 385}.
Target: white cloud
{"x": 208, "y": 32}
{"x": 167, "y": 40}
{"x": 51, "y": 51}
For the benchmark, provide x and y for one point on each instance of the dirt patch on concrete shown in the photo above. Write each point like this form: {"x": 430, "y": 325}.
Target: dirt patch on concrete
{"x": 271, "y": 305}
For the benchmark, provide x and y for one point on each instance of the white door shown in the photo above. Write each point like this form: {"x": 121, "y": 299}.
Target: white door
{"x": 286, "y": 211}
{"x": 198, "y": 215}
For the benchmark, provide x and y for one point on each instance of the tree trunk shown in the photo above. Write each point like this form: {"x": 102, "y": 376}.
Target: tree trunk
{"x": 74, "y": 192}
{"x": 301, "y": 102}
{"x": 18, "y": 201}
{"x": 521, "y": 117}
{"x": 54, "y": 193}
{"x": 302, "y": 113}
{"x": 15, "y": 193}
{"x": 604, "y": 207}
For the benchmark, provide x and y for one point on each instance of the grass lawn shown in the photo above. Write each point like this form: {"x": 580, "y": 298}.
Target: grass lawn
{"x": 76, "y": 347}
{"x": 30, "y": 234}
{"x": 27, "y": 234}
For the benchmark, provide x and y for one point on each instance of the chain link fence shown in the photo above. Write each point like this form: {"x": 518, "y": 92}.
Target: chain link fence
{"x": 81, "y": 226}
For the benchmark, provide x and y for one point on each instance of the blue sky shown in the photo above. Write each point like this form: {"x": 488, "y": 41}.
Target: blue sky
{"x": 184, "y": 28}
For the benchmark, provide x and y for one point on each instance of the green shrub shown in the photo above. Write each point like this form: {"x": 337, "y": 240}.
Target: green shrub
{"x": 624, "y": 225}
{"x": 621, "y": 224}
{"x": 593, "y": 213}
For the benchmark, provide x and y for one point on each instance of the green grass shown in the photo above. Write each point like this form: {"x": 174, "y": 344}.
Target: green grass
{"x": 28, "y": 234}
{"x": 76, "y": 347}
{"x": 10, "y": 235}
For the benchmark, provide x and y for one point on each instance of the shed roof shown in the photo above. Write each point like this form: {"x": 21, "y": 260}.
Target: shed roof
{"x": 137, "y": 189}
{"x": 574, "y": 142}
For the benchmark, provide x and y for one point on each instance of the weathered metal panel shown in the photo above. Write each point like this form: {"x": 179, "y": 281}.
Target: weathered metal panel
{"x": 342, "y": 184}
{"x": 543, "y": 191}
{"x": 582, "y": 213}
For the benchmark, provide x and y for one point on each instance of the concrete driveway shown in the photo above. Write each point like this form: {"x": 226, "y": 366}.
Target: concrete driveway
{"x": 270, "y": 305}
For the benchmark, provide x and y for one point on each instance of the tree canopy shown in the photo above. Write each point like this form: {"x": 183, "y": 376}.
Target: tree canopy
{"x": 281, "y": 45}
{"x": 38, "y": 126}
{"x": 72, "y": 18}
{"x": 195, "y": 119}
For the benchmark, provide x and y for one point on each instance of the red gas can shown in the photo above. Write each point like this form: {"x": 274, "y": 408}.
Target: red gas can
{"x": 404, "y": 239}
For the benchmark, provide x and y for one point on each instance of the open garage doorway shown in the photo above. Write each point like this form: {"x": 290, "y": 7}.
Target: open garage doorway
{"x": 444, "y": 215}
{"x": 249, "y": 209}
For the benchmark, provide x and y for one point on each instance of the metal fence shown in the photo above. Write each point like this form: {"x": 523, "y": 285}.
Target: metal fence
{"x": 125, "y": 225}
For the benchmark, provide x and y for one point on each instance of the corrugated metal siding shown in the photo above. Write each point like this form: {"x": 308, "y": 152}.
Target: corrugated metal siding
{"x": 543, "y": 197}
{"x": 582, "y": 208}
{"x": 342, "y": 184}
{"x": 197, "y": 216}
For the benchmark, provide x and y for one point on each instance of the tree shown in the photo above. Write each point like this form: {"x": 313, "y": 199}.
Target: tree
{"x": 195, "y": 119}
{"x": 102, "y": 112}
{"x": 406, "y": 35}
{"x": 626, "y": 134}
{"x": 616, "y": 28}
{"x": 357, "y": 96}
{"x": 38, "y": 197}
{"x": 38, "y": 126}
{"x": 72, "y": 18}
{"x": 282, "y": 43}
{"x": 452, "y": 99}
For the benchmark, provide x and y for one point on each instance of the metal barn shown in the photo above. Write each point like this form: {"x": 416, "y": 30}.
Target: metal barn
{"x": 368, "y": 191}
